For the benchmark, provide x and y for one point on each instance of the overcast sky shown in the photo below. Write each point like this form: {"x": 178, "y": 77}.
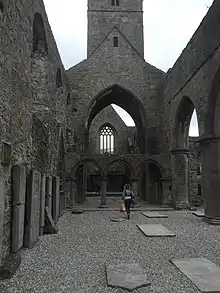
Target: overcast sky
{"x": 168, "y": 26}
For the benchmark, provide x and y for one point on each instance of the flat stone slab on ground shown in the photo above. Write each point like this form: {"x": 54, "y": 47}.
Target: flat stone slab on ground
{"x": 126, "y": 276}
{"x": 154, "y": 215}
{"x": 202, "y": 272}
{"x": 117, "y": 219}
{"x": 199, "y": 214}
{"x": 77, "y": 212}
{"x": 155, "y": 230}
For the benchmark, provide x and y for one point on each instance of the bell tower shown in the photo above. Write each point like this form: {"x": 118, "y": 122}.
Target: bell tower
{"x": 104, "y": 15}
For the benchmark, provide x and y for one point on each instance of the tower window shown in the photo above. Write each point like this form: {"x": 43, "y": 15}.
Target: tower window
{"x": 115, "y": 2}
{"x": 106, "y": 139}
{"x": 115, "y": 41}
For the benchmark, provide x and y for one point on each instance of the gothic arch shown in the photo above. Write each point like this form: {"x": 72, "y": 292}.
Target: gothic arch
{"x": 40, "y": 46}
{"x": 150, "y": 161}
{"x": 86, "y": 160}
{"x": 123, "y": 161}
{"x": 182, "y": 123}
{"x": 125, "y": 99}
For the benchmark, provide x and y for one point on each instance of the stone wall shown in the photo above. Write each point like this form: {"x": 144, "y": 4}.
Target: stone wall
{"x": 28, "y": 86}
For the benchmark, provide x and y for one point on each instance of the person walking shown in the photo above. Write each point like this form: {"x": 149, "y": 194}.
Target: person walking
{"x": 127, "y": 197}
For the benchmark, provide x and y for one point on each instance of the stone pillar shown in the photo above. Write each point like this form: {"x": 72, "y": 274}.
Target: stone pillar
{"x": 103, "y": 192}
{"x": 42, "y": 203}
{"x": 73, "y": 191}
{"x": 1, "y": 216}
{"x": 135, "y": 187}
{"x": 166, "y": 192}
{"x": 210, "y": 152}
{"x": 18, "y": 206}
{"x": 85, "y": 174}
{"x": 49, "y": 194}
{"x": 32, "y": 209}
{"x": 180, "y": 162}
{"x": 55, "y": 198}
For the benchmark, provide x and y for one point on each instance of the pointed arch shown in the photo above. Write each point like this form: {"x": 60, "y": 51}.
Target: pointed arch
{"x": 107, "y": 134}
{"x": 40, "y": 46}
{"x": 182, "y": 121}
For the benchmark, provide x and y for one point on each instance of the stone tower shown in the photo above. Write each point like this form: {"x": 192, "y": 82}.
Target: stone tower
{"x": 125, "y": 15}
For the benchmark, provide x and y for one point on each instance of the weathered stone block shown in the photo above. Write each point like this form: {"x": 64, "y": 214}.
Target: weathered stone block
{"x": 18, "y": 227}
{"x": 32, "y": 211}
{"x": 49, "y": 225}
{"x": 19, "y": 184}
{"x": 55, "y": 198}
{"x": 6, "y": 154}
{"x": 10, "y": 266}
{"x": 126, "y": 276}
{"x": 42, "y": 203}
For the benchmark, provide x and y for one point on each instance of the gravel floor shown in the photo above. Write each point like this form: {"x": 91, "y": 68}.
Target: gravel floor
{"x": 74, "y": 259}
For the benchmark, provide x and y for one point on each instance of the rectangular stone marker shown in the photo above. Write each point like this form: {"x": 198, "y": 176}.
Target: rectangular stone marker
{"x": 55, "y": 198}
{"x": 155, "y": 230}
{"x": 202, "y": 272}
{"x": 49, "y": 193}
{"x": 42, "y": 203}
{"x": 1, "y": 215}
{"x": 154, "y": 215}
{"x": 18, "y": 209}
{"x": 32, "y": 212}
{"x": 200, "y": 214}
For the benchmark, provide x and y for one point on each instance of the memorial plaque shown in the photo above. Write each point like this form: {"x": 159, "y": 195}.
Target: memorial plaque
{"x": 6, "y": 154}
{"x": 32, "y": 213}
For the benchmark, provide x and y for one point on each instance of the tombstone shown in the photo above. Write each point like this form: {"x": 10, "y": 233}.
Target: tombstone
{"x": 55, "y": 198}
{"x": 18, "y": 206}
{"x": 49, "y": 193}
{"x": 1, "y": 214}
{"x": 32, "y": 212}
{"x": 49, "y": 225}
{"x": 42, "y": 203}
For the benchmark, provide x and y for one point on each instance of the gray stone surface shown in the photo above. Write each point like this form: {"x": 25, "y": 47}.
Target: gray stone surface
{"x": 126, "y": 276}
{"x": 154, "y": 215}
{"x": 32, "y": 209}
{"x": 49, "y": 193}
{"x": 155, "y": 230}
{"x": 18, "y": 227}
{"x": 199, "y": 214}
{"x": 202, "y": 272}
{"x": 49, "y": 226}
{"x": 10, "y": 266}
{"x": 118, "y": 220}
{"x": 1, "y": 215}
{"x": 55, "y": 198}
{"x": 19, "y": 184}
{"x": 68, "y": 262}
{"x": 42, "y": 202}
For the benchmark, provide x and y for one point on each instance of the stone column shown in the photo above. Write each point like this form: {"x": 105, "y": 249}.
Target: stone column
{"x": 49, "y": 194}
{"x": 166, "y": 192}
{"x": 135, "y": 187}
{"x": 85, "y": 174}
{"x": 73, "y": 191}
{"x": 103, "y": 192}
{"x": 210, "y": 152}
{"x": 42, "y": 203}
{"x": 180, "y": 170}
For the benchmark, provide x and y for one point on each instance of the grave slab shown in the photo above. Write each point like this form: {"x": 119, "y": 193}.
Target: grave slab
{"x": 49, "y": 225}
{"x": 155, "y": 230}
{"x": 154, "y": 215}
{"x": 18, "y": 228}
{"x": 202, "y": 272}
{"x": 199, "y": 214}
{"x": 19, "y": 184}
{"x": 126, "y": 276}
{"x": 118, "y": 220}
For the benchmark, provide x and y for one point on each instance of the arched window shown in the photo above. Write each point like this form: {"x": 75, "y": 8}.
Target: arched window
{"x": 59, "y": 82}
{"x": 107, "y": 140}
{"x": 39, "y": 36}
